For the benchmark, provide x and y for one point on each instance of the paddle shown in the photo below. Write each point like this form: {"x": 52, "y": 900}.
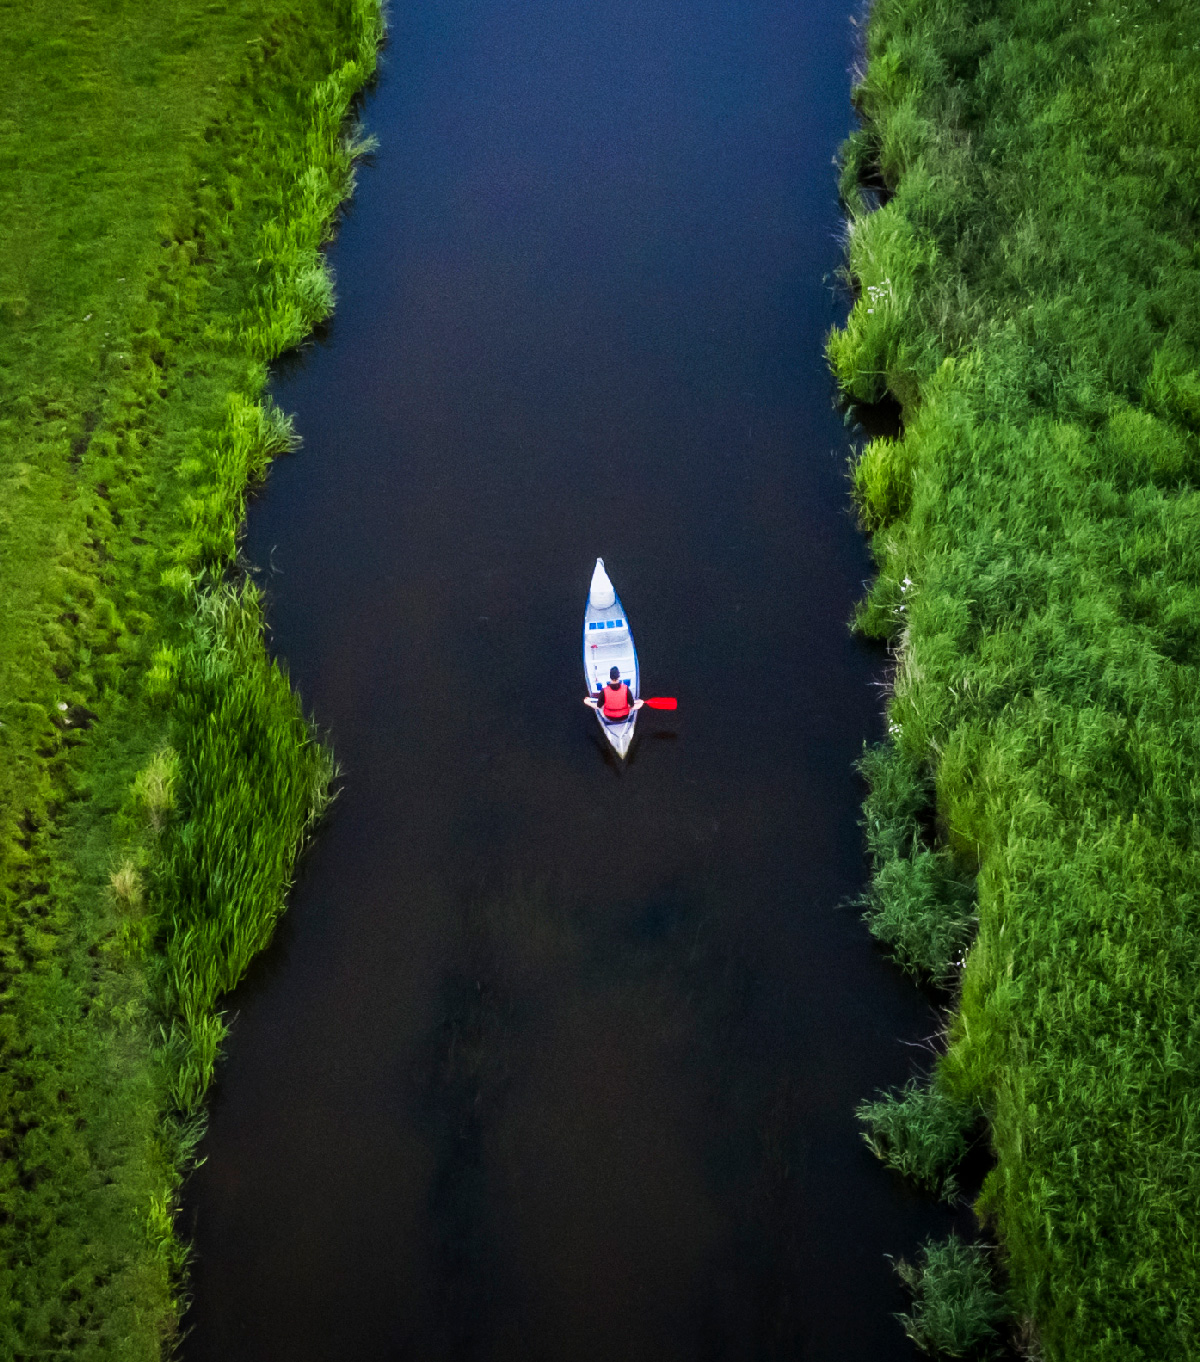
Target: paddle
{"x": 654, "y": 702}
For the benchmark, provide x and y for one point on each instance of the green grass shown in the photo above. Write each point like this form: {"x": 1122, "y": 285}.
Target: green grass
{"x": 1031, "y": 294}
{"x": 254, "y": 781}
{"x": 920, "y": 903}
{"x": 956, "y": 1311}
{"x": 922, "y": 1132}
{"x": 167, "y": 177}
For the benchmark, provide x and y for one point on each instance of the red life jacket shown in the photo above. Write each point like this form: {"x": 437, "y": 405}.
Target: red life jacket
{"x": 616, "y": 702}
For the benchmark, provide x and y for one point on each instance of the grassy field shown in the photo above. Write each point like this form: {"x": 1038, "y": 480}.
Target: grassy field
{"x": 1030, "y": 291}
{"x": 167, "y": 176}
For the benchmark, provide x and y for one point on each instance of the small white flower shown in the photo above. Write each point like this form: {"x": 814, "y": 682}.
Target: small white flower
{"x": 62, "y": 704}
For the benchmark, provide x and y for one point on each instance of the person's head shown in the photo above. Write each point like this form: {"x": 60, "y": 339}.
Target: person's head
{"x": 614, "y": 673}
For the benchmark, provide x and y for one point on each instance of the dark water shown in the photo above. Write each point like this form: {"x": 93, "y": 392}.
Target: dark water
{"x": 554, "y": 1059}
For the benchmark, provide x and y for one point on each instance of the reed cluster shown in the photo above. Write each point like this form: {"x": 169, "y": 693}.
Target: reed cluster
{"x": 1023, "y": 198}
{"x": 956, "y": 1310}
{"x": 170, "y": 174}
{"x": 253, "y": 779}
{"x": 922, "y": 1132}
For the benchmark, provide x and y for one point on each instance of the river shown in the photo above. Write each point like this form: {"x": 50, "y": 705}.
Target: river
{"x": 555, "y": 1058}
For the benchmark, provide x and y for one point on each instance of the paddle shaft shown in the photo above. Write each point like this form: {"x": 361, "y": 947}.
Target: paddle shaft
{"x": 654, "y": 702}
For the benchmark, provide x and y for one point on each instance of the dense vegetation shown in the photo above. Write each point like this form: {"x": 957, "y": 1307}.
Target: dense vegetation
{"x": 167, "y": 176}
{"x": 956, "y": 1309}
{"x": 1030, "y": 292}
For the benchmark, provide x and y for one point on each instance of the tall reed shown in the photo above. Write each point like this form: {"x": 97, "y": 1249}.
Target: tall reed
{"x": 956, "y": 1311}
{"x": 253, "y": 780}
{"x": 922, "y": 1132}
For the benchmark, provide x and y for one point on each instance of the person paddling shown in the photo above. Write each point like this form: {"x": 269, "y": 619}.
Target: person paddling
{"x": 614, "y": 700}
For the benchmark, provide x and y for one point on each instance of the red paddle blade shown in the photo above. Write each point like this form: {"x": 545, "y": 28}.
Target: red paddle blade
{"x": 661, "y": 702}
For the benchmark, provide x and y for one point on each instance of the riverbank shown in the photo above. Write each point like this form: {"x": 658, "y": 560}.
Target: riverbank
{"x": 168, "y": 180}
{"x": 1029, "y": 293}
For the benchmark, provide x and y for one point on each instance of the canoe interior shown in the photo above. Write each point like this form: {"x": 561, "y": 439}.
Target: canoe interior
{"x": 607, "y": 643}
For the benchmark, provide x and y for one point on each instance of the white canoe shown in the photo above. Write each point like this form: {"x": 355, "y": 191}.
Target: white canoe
{"x": 608, "y": 642}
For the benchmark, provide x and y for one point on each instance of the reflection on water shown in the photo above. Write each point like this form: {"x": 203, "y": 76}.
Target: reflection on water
{"x": 555, "y": 1057}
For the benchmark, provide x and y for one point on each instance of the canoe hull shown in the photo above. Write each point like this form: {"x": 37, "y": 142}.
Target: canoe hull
{"x": 608, "y": 642}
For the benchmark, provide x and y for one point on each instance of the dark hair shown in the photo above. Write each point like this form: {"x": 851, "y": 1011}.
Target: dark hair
{"x": 614, "y": 673}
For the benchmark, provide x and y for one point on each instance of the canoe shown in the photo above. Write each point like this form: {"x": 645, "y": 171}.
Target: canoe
{"x": 608, "y": 642}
